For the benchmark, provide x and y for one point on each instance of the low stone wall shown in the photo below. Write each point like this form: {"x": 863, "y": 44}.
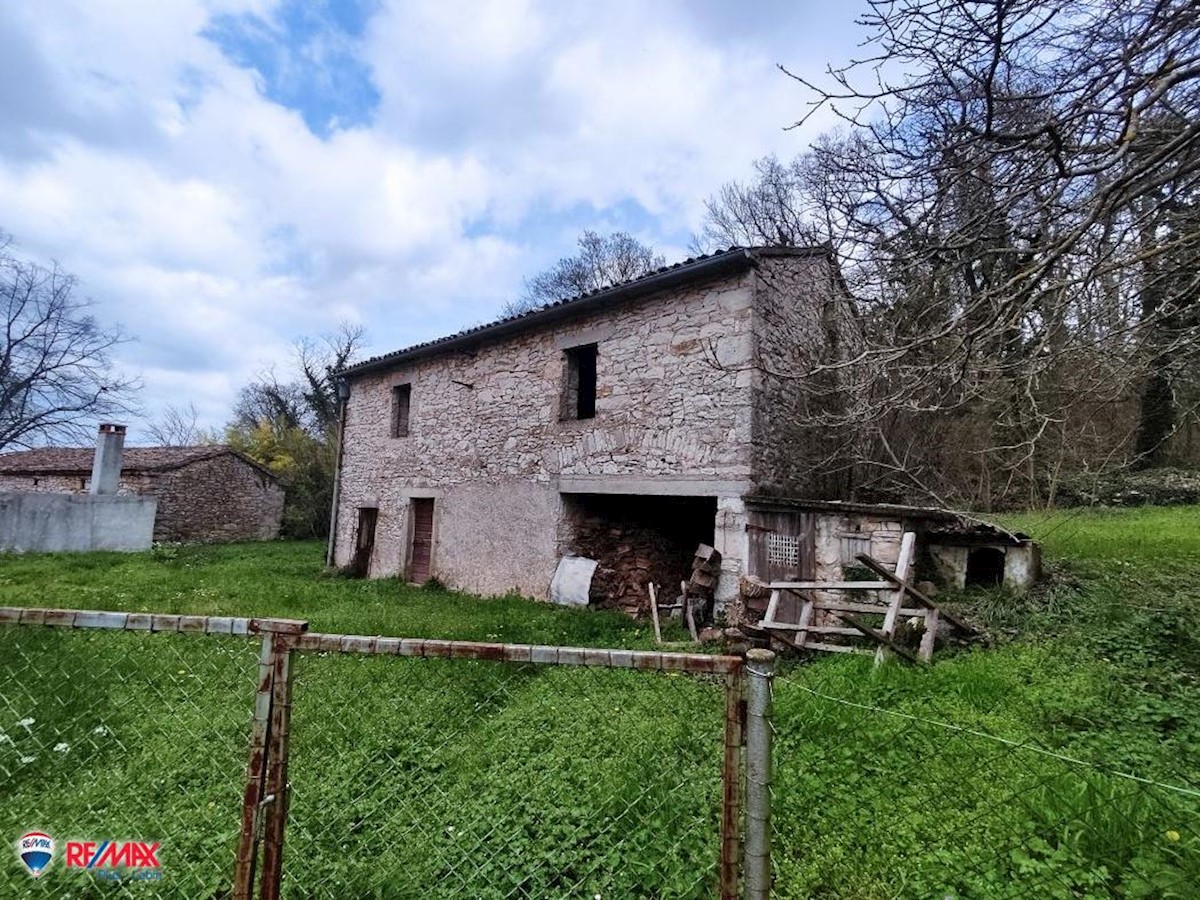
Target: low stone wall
{"x": 53, "y": 523}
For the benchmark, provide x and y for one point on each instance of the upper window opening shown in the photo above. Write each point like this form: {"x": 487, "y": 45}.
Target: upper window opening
{"x": 579, "y": 401}
{"x": 401, "y": 404}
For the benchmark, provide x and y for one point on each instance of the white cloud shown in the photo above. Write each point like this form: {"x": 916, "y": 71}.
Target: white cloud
{"x": 218, "y": 228}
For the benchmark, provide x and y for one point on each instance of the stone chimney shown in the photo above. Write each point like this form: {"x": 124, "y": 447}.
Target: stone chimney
{"x": 106, "y": 468}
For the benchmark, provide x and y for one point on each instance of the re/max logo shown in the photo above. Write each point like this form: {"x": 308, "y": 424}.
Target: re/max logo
{"x": 112, "y": 854}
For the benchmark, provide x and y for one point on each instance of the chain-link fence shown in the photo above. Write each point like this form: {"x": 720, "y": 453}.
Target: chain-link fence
{"x": 111, "y": 738}
{"x": 453, "y": 769}
{"x": 418, "y": 778}
{"x": 380, "y": 767}
{"x": 199, "y": 757}
{"x": 878, "y": 793}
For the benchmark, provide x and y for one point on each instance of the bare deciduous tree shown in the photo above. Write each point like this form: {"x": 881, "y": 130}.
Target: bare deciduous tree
{"x": 179, "y": 426}
{"x": 600, "y": 263}
{"x": 290, "y": 426}
{"x": 307, "y": 400}
{"x": 56, "y": 370}
{"x": 1014, "y": 202}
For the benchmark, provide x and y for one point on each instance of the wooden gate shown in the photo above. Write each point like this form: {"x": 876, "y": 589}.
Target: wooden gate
{"x": 421, "y": 558}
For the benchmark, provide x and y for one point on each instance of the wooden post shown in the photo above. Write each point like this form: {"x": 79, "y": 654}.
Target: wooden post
{"x": 903, "y": 564}
{"x": 933, "y": 618}
{"x": 731, "y": 804}
{"x": 654, "y": 613}
{"x": 276, "y": 799}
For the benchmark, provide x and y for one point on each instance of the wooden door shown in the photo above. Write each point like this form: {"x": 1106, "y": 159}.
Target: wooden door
{"x": 364, "y": 541}
{"x": 783, "y": 547}
{"x": 421, "y": 558}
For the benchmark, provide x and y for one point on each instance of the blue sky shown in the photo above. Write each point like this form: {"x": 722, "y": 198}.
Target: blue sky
{"x": 226, "y": 176}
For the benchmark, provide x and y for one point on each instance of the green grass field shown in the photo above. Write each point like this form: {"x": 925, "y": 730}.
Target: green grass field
{"x": 426, "y": 778}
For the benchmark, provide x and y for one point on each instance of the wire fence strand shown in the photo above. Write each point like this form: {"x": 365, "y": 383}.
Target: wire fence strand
{"x": 872, "y": 793}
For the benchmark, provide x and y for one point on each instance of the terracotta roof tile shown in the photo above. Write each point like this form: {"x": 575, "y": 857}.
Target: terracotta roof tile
{"x": 78, "y": 460}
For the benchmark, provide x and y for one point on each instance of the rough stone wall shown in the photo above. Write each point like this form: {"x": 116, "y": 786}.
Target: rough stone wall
{"x": 130, "y": 485}
{"x": 485, "y": 438}
{"x": 1022, "y": 564}
{"x": 217, "y": 499}
{"x": 881, "y": 535}
{"x": 802, "y": 318}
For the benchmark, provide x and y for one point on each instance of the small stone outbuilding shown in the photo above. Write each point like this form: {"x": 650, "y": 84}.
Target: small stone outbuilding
{"x": 207, "y": 493}
{"x": 813, "y": 540}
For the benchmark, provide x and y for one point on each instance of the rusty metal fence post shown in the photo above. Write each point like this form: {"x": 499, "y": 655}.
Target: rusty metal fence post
{"x": 760, "y": 675}
{"x": 731, "y": 801}
{"x": 266, "y": 776}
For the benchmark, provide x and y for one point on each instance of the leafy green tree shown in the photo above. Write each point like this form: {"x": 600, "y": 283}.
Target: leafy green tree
{"x": 290, "y": 426}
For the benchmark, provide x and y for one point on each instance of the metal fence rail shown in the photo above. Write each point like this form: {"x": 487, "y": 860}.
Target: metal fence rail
{"x": 412, "y": 768}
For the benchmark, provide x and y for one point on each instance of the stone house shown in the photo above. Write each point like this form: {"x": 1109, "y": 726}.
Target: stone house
{"x": 207, "y": 493}
{"x": 626, "y": 426}
{"x": 629, "y": 424}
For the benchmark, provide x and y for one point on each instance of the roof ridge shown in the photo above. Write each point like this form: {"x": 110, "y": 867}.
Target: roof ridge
{"x": 71, "y": 460}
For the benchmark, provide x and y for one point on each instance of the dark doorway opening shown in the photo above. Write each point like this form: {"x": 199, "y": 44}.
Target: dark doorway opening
{"x": 637, "y": 539}
{"x": 364, "y": 541}
{"x": 985, "y": 567}
{"x": 421, "y": 558}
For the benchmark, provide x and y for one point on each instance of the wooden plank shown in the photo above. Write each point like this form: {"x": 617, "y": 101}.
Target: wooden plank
{"x": 806, "y": 613}
{"x": 772, "y": 607}
{"x": 874, "y": 566}
{"x": 837, "y": 648}
{"x": 654, "y": 613}
{"x": 904, "y": 563}
{"x": 881, "y": 638}
{"x": 810, "y": 629}
{"x": 832, "y": 585}
{"x": 816, "y": 645}
{"x": 929, "y": 638}
{"x": 853, "y": 606}
{"x": 687, "y": 611}
{"x": 830, "y": 629}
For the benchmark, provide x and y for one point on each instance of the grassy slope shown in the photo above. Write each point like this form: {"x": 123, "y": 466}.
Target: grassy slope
{"x": 280, "y": 579}
{"x": 1102, "y": 666}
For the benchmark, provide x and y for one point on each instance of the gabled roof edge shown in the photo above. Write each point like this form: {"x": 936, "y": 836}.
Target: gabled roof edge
{"x": 691, "y": 270}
